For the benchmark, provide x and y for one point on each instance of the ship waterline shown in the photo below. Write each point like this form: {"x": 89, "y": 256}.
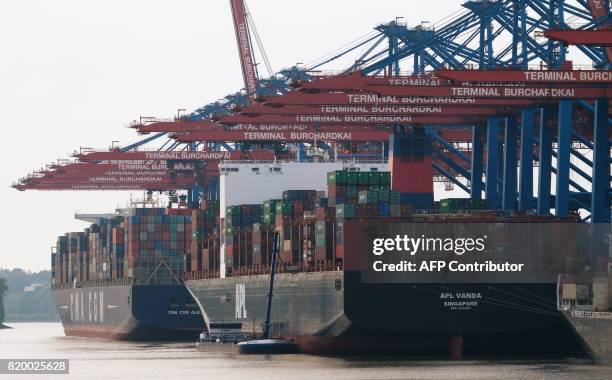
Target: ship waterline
{"x": 335, "y": 312}
{"x": 128, "y": 312}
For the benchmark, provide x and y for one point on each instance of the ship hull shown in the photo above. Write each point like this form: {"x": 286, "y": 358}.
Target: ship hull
{"x": 128, "y": 312}
{"x": 336, "y": 313}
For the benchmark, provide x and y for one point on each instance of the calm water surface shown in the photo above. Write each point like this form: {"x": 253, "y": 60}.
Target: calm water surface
{"x": 96, "y": 359}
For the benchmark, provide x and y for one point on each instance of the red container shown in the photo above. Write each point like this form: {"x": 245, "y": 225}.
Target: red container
{"x": 320, "y": 253}
{"x": 340, "y": 251}
{"x": 298, "y": 208}
{"x": 205, "y": 259}
{"x": 323, "y": 213}
{"x": 361, "y": 210}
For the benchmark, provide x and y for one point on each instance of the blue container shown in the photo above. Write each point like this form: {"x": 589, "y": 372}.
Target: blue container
{"x": 384, "y": 209}
{"x": 418, "y": 201}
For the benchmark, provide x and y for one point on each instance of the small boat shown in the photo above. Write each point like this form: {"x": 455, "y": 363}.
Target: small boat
{"x": 268, "y": 346}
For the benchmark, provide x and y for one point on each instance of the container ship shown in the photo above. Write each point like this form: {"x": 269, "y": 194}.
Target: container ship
{"x": 120, "y": 278}
{"x": 321, "y": 299}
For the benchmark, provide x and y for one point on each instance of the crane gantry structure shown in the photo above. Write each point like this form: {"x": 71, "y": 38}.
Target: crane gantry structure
{"x": 491, "y": 86}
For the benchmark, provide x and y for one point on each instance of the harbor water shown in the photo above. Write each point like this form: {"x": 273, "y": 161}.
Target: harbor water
{"x": 98, "y": 359}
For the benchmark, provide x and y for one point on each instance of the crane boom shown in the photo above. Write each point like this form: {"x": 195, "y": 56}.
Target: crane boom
{"x": 245, "y": 49}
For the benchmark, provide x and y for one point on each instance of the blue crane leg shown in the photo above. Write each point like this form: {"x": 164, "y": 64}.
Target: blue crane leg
{"x": 476, "y": 169}
{"x": 526, "y": 170}
{"x": 564, "y": 141}
{"x": 545, "y": 159}
{"x": 491, "y": 193}
{"x": 510, "y": 165}
{"x": 600, "y": 203}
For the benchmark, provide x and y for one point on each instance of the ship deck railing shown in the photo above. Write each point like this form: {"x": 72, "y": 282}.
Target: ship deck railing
{"x": 94, "y": 283}
{"x": 254, "y": 270}
{"x": 591, "y": 314}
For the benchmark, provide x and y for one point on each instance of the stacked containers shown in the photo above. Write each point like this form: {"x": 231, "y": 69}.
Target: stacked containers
{"x": 308, "y": 237}
{"x": 61, "y": 262}
{"x": 159, "y": 244}
{"x": 360, "y": 194}
{"x": 238, "y": 233}
{"x": 238, "y": 245}
{"x": 54, "y": 259}
{"x": 269, "y": 211}
{"x": 211, "y": 254}
{"x": 117, "y": 251}
{"x": 204, "y": 227}
{"x": 291, "y": 222}
{"x": 151, "y": 246}
{"x": 324, "y": 234}
{"x": 262, "y": 243}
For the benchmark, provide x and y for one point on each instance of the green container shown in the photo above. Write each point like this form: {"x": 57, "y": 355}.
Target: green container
{"x": 384, "y": 195}
{"x": 284, "y": 208}
{"x": 479, "y": 204}
{"x": 352, "y": 178}
{"x": 320, "y": 241}
{"x": 345, "y": 211}
{"x": 233, "y": 210}
{"x": 269, "y": 218}
{"x": 454, "y": 204}
{"x": 372, "y": 196}
{"x": 363, "y": 178}
{"x": 320, "y": 226}
{"x": 269, "y": 206}
{"x": 336, "y": 177}
{"x": 385, "y": 179}
{"x": 374, "y": 178}
{"x": 445, "y": 205}
{"x": 351, "y": 191}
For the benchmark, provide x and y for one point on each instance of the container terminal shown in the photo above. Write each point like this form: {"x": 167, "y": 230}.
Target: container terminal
{"x": 487, "y": 101}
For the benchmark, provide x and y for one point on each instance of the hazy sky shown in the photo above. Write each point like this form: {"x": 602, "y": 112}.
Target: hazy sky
{"x": 75, "y": 73}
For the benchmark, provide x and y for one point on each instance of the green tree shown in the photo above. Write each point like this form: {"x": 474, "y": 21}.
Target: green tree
{"x": 3, "y": 291}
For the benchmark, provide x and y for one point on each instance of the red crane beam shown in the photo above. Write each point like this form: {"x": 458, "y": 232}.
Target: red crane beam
{"x": 334, "y": 120}
{"x": 368, "y": 110}
{"x": 435, "y": 87}
{"x": 530, "y": 76}
{"x": 179, "y": 182}
{"x": 292, "y": 133}
{"x": 517, "y": 92}
{"x": 175, "y": 126}
{"x": 205, "y": 156}
{"x": 339, "y": 98}
{"x": 94, "y": 187}
{"x": 338, "y": 135}
{"x": 581, "y": 37}
{"x": 356, "y": 81}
